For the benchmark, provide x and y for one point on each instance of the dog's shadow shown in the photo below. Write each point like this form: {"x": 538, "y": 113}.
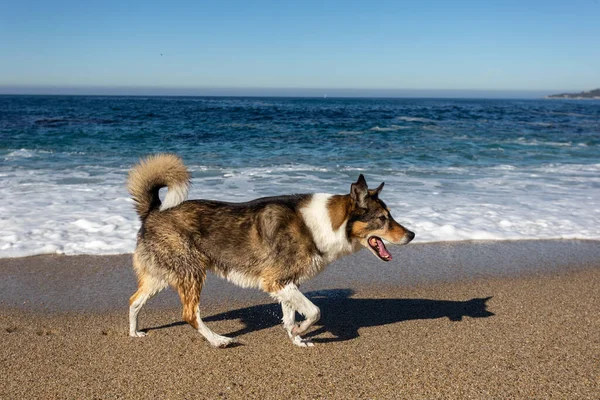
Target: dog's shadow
{"x": 343, "y": 316}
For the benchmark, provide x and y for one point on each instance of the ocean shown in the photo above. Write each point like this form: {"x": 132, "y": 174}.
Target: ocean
{"x": 455, "y": 169}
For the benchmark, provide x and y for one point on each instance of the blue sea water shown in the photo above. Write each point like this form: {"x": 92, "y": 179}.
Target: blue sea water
{"x": 455, "y": 169}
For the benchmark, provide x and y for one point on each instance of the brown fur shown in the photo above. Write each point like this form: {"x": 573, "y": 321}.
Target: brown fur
{"x": 263, "y": 241}
{"x": 339, "y": 208}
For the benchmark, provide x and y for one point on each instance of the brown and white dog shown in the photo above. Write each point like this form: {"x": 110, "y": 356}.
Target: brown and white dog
{"x": 271, "y": 243}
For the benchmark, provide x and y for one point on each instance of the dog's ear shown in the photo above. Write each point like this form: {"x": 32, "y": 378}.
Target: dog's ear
{"x": 375, "y": 192}
{"x": 359, "y": 191}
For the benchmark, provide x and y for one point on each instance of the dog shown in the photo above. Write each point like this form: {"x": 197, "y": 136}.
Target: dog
{"x": 271, "y": 243}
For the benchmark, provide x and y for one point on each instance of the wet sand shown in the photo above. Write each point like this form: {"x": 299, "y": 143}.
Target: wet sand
{"x": 466, "y": 320}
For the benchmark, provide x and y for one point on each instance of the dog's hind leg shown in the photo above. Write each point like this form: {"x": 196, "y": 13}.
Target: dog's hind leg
{"x": 293, "y": 300}
{"x": 148, "y": 286}
{"x": 289, "y": 318}
{"x": 189, "y": 292}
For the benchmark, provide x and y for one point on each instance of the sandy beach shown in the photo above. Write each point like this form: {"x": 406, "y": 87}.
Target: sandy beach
{"x": 465, "y": 320}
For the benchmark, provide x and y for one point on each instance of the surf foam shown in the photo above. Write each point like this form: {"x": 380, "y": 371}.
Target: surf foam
{"x": 87, "y": 210}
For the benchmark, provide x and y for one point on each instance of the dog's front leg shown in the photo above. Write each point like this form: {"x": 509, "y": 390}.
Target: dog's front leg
{"x": 293, "y": 300}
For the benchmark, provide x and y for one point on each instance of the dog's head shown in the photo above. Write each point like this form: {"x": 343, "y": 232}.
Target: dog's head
{"x": 371, "y": 222}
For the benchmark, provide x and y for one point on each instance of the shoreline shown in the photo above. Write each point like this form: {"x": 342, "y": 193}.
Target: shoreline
{"x": 413, "y": 243}
{"x": 474, "y": 320}
{"x": 55, "y": 283}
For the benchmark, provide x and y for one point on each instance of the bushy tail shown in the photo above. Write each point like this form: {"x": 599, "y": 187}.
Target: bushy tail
{"x": 153, "y": 173}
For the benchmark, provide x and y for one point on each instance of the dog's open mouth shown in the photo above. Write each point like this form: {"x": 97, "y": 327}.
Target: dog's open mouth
{"x": 377, "y": 245}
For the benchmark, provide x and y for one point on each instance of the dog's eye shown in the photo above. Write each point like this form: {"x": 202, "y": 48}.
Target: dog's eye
{"x": 382, "y": 218}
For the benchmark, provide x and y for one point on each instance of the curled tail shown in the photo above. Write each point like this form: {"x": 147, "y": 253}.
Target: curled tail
{"x": 154, "y": 173}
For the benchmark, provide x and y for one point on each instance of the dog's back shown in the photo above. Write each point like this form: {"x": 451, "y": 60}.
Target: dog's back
{"x": 264, "y": 243}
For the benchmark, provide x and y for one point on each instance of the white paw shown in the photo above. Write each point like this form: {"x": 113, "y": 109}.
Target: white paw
{"x": 298, "y": 341}
{"x": 221, "y": 341}
{"x": 296, "y": 330}
{"x": 137, "y": 334}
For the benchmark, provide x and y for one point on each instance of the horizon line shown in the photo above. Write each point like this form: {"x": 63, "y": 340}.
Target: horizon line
{"x": 269, "y": 91}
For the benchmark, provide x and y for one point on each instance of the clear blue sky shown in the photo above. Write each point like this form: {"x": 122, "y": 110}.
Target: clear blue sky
{"x": 477, "y": 45}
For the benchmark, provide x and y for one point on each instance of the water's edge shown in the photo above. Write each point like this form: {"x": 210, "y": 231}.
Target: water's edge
{"x": 99, "y": 283}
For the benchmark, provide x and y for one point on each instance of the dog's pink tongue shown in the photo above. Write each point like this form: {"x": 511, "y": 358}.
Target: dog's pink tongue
{"x": 383, "y": 253}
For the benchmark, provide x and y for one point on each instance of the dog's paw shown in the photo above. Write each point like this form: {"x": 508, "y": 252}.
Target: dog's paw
{"x": 222, "y": 341}
{"x": 137, "y": 334}
{"x": 295, "y": 331}
{"x": 298, "y": 341}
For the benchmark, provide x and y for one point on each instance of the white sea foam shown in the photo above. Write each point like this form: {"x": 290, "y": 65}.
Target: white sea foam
{"x": 23, "y": 153}
{"x": 88, "y": 211}
{"x": 414, "y": 119}
{"x": 390, "y": 128}
{"x": 540, "y": 124}
{"x": 351, "y": 132}
{"x": 526, "y": 142}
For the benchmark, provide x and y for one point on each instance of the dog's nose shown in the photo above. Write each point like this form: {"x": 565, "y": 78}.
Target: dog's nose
{"x": 410, "y": 235}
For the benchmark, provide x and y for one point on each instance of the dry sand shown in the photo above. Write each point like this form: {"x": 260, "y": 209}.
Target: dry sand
{"x": 527, "y": 333}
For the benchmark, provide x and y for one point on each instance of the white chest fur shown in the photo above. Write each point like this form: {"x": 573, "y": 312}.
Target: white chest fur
{"x": 332, "y": 243}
